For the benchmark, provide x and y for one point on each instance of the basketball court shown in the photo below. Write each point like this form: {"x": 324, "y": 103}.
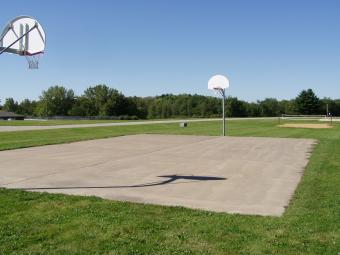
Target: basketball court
{"x": 222, "y": 174}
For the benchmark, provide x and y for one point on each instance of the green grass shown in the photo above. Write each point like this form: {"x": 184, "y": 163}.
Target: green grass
{"x": 54, "y": 122}
{"x": 65, "y": 122}
{"x": 40, "y": 223}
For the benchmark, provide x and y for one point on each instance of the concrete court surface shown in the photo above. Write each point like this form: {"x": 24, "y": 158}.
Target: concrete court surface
{"x": 244, "y": 175}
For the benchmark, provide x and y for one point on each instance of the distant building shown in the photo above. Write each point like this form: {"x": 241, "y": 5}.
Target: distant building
{"x": 10, "y": 116}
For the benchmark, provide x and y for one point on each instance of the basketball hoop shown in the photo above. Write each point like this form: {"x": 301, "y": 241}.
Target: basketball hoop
{"x": 24, "y": 36}
{"x": 219, "y": 84}
{"x": 33, "y": 60}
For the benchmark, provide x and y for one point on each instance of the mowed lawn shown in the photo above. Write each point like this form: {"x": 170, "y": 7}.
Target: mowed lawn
{"x": 39, "y": 223}
{"x": 54, "y": 122}
{"x": 69, "y": 122}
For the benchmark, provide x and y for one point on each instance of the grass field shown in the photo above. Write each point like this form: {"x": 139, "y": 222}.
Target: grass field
{"x": 54, "y": 122}
{"x": 39, "y": 223}
{"x": 66, "y": 122}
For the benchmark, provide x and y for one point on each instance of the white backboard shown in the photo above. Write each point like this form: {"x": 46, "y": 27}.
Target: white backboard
{"x": 218, "y": 82}
{"x": 31, "y": 44}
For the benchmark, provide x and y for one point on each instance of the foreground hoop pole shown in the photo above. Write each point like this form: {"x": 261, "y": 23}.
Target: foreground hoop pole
{"x": 29, "y": 31}
{"x": 222, "y": 91}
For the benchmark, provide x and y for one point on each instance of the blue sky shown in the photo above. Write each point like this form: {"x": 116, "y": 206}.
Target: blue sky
{"x": 146, "y": 48}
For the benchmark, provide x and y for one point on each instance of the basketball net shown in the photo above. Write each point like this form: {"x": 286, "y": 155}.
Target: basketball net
{"x": 33, "y": 60}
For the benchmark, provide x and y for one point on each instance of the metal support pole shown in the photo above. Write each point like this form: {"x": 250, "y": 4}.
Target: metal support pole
{"x": 222, "y": 91}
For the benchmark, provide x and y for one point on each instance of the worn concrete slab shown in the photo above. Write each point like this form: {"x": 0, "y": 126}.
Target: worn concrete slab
{"x": 225, "y": 174}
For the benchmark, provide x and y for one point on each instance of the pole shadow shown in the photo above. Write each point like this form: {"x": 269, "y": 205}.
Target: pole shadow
{"x": 170, "y": 179}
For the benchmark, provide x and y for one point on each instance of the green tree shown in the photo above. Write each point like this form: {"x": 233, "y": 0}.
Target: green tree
{"x": 80, "y": 107}
{"x": 253, "y": 110}
{"x": 55, "y": 101}
{"x": 11, "y": 105}
{"x": 105, "y": 101}
{"x": 307, "y": 102}
{"x": 137, "y": 107}
{"x": 96, "y": 97}
{"x": 269, "y": 107}
{"x": 287, "y": 107}
{"x": 152, "y": 109}
{"x": 336, "y": 110}
{"x": 27, "y": 107}
{"x": 235, "y": 107}
{"x": 332, "y": 107}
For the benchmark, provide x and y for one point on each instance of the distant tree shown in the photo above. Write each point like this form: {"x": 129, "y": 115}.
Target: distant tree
{"x": 211, "y": 107}
{"x": 183, "y": 105}
{"x": 105, "y": 101}
{"x": 137, "y": 106}
{"x": 336, "y": 110}
{"x": 235, "y": 107}
{"x": 152, "y": 112}
{"x": 307, "y": 102}
{"x": 96, "y": 97}
{"x": 101, "y": 100}
{"x": 11, "y": 105}
{"x": 287, "y": 107}
{"x": 332, "y": 107}
{"x": 80, "y": 107}
{"x": 253, "y": 110}
{"x": 269, "y": 107}
{"x": 27, "y": 107}
{"x": 55, "y": 101}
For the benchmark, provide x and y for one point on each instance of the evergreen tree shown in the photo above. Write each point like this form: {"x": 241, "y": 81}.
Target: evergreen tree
{"x": 307, "y": 102}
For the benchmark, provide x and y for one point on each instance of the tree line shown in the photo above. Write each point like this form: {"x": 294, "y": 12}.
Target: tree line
{"x": 101, "y": 100}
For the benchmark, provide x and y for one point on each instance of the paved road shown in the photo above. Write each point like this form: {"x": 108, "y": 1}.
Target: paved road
{"x": 132, "y": 123}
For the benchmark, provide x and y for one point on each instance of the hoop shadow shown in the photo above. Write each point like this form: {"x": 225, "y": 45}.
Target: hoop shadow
{"x": 170, "y": 179}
